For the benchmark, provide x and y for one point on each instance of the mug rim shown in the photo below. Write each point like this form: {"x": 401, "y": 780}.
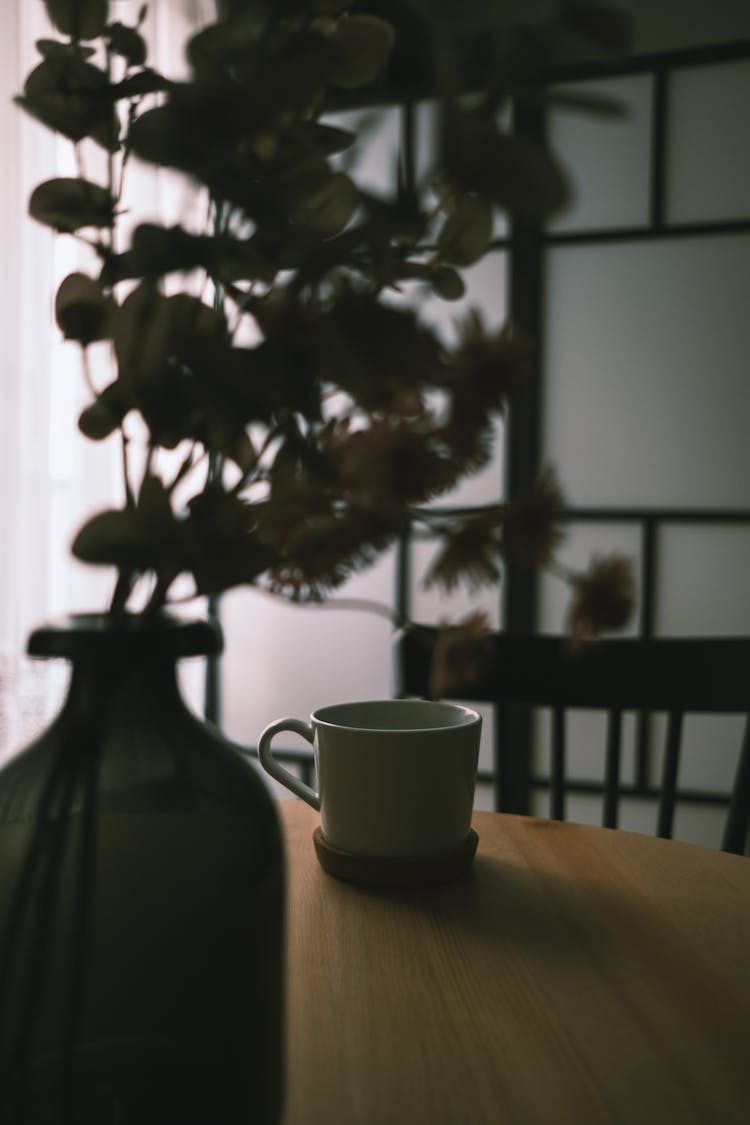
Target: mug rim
{"x": 468, "y": 717}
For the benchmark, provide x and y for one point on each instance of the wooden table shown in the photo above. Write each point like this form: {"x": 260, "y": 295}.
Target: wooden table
{"x": 575, "y": 975}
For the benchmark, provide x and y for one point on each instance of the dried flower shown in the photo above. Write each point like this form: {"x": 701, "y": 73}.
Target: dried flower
{"x": 489, "y": 366}
{"x": 459, "y": 656}
{"x": 603, "y": 598}
{"x": 393, "y": 462}
{"x": 468, "y": 434}
{"x": 321, "y": 544}
{"x": 469, "y": 552}
{"x": 530, "y": 532}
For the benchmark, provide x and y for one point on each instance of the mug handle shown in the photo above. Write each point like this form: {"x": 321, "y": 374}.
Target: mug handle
{"x": 276, "y": 770}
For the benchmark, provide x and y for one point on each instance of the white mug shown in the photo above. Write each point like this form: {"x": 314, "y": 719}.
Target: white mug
{"x": 396, "y": 777}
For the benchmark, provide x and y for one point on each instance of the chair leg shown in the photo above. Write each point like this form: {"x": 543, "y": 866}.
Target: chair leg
{"x": 557, "y": 771}
{"x": 612, "y": 772}
{"x": 738, "y": 817}
{"x": 512, "y": 754}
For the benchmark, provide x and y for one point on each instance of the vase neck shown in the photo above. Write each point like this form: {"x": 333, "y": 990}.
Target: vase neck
{"x": 132, "y": 657}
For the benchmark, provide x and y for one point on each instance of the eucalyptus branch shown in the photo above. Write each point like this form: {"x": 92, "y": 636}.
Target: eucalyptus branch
{"x": 253, "y": 474}
{"x": 291, "y": 236}
{"x": 194, "y": 457}
{"x": 130, "y": 501}
{"x": 86, "y": 369}
{"x": 158, "y": 598}
{"x": 111, "y": 157}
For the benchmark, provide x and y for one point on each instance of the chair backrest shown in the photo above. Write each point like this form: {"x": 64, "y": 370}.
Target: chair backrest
{"x": 675, "y": 676}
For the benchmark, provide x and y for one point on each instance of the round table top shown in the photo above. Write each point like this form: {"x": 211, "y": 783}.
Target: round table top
{"x": 576, "y": 974}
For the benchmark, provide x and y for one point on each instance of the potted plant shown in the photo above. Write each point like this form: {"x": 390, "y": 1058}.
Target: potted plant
{"x": 282, "y": 408}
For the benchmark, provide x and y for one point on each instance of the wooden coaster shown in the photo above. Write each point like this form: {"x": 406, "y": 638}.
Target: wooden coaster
{"x": 379, "y": 871}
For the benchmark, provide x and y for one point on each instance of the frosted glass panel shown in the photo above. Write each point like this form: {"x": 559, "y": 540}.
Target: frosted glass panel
{"x": 485, "y": 289}
{"x": 434, "y": 605}
{"x": 373, "y": 158}
{"x": 647, "y": 398}
{"x": 282, "y": 659}
{"x": 607, "y": 159}
{"x": 702, "y": 582}
{"x": 709, "y": 143}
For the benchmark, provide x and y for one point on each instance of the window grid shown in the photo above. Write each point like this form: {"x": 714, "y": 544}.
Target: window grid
{"x": 526, "y": 245}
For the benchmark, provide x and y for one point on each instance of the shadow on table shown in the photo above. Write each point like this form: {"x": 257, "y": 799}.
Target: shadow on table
{"x": 512, "y": 905}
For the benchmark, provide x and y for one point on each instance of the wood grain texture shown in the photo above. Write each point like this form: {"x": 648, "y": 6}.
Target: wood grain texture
{"x": 576, "y": 975}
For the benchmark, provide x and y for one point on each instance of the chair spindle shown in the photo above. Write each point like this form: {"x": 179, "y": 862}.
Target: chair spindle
{"x": 557, "y": 770}
{"x": 669, "y": 776}
{"x": 612, "y": 768}
{"x": 738, "y": 817}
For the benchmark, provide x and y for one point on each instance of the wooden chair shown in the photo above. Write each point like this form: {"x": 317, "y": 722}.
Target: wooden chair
{"x": 676, "y": 676}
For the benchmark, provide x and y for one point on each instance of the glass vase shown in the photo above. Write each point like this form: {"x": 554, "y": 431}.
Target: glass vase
{"x": 141, "y": 899}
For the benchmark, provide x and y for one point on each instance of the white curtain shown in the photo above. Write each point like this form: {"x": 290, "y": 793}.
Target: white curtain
{"x": 50, "y": 477}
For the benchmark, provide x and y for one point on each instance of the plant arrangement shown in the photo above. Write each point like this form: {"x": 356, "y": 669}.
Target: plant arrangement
{"x": 282, "y": 405}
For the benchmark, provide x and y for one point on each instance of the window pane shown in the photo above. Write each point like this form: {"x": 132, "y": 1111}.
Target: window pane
{"x": 702, "y": 580}
{"x": 373, "y": 158}
{"x": 709, "y": 143}
{"x": 283, "y": 659}
{"x": 606, "y": 158}
{"x": 647, "y": 396}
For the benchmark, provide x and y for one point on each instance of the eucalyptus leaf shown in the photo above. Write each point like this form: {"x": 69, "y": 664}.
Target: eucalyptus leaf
{"x": 131, "y": 324}
{"x": 68, "y": 94}
{"x": 82, "y": 310}
{"x": 360, "y": 47}
{"x": 223, "y": 548}
{"x": 515, "y": 172}
{"x": 67, "y": 204}
{"x": 233, "y": 259}
{"x": 80, "y": 19}
{"x": 105, "y": 414}
{"x": 447, "y": 283}
{"x": 166, "y": 136}
{"x": 157, "y": 250}
{"x": 54, "y": 49}
{"x": 146, "y": 81}
{"x": 154, "y": 508}
{"x": 467, "y": 232}
{"x": 231, "y": 41}
{"x": 128, "y": 43}
{"x": 325, "y": 207}
{"x": 114, "y": 538}
{"x": 169, "y": 350}
{"x": 153, "y": 332}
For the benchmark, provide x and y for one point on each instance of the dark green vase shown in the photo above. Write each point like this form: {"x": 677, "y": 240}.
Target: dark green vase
{"x": 141, "y": 900}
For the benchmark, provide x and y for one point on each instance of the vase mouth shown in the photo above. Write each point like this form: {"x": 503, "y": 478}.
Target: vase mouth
{"x": 85, "y": 633}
